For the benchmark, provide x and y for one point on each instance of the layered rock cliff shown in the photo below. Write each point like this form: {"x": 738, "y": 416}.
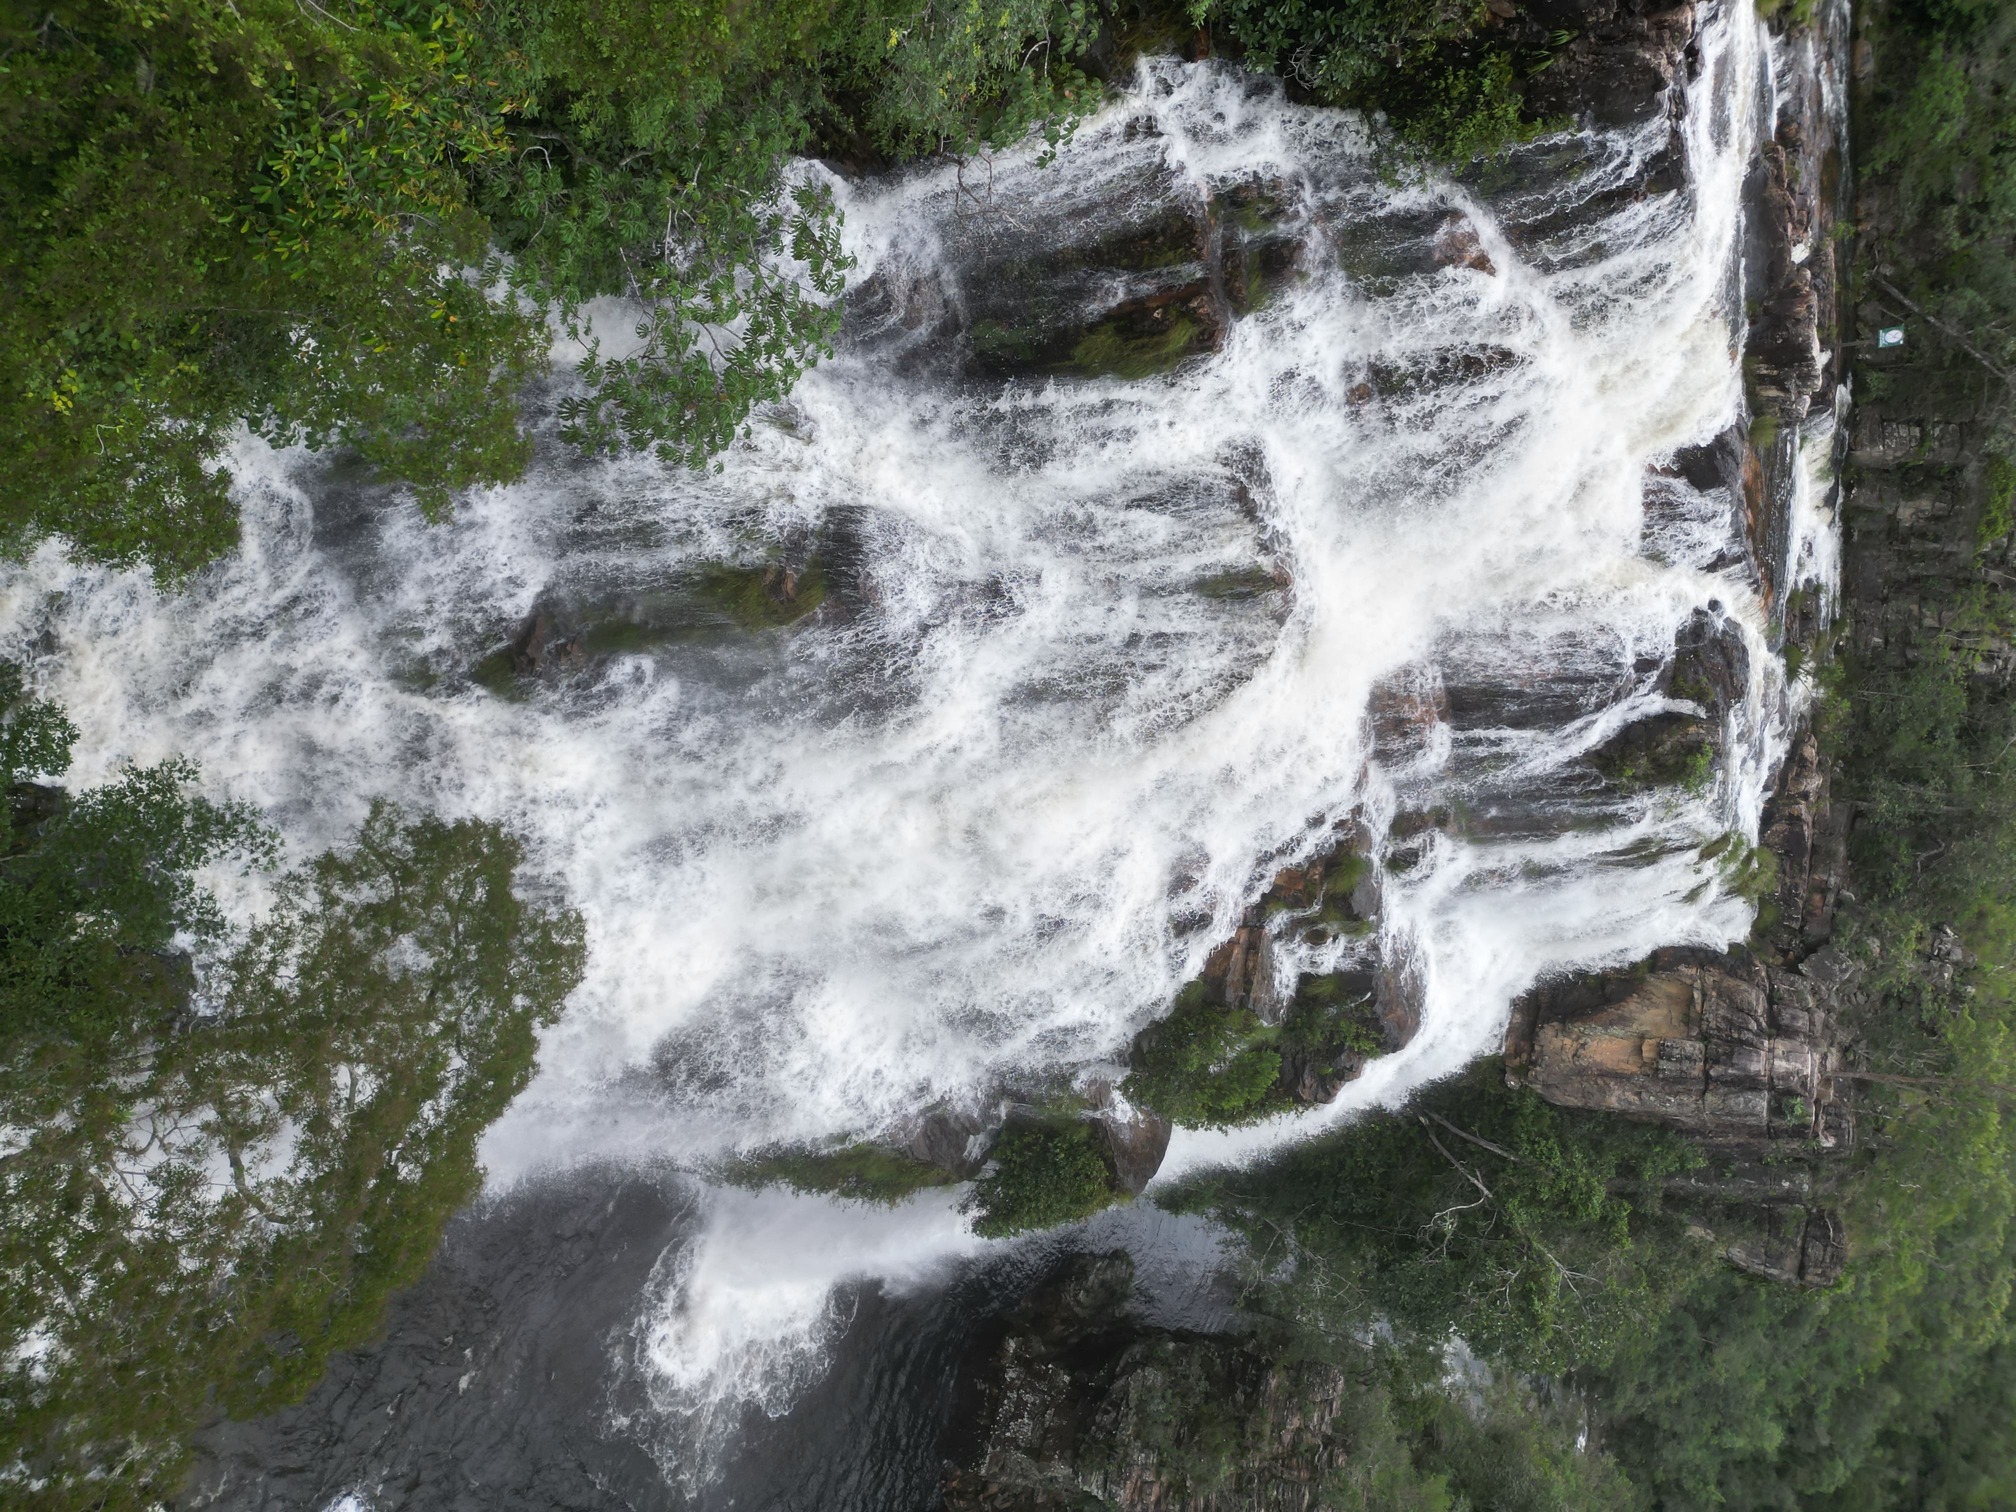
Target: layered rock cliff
{"x": 1071, "y": 1404}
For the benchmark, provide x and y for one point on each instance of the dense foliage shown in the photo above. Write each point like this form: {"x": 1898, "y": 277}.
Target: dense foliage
{"x": 1477, "y": 1209}
{"x": 362, "y": 222}
{"x": 1445, "y": 78}
{"x": 203, "y": 1191}
{"x": 1550, "y": 1242}
{"x": 1942, "y": 140}
{"x": 1040, "y": 1175}
{"x": 1206, "y": 1066}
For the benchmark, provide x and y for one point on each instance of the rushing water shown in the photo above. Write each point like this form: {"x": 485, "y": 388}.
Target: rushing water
{"x": 1096, "y": 657}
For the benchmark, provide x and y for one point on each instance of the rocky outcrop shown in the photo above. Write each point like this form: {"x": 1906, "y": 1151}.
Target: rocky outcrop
{"x": 1795, "y": 196}
{"x": 1240, "y": 971}
{"x": 543, "y": 643}
{"x": 1709, "y": 669}
{"x": 1737, "y": 1048}
{"x": 1794, "y": 200}
{"x": 1722, "y": 1046}
{"x": 952, "y": 1140}
{"x": 1784, "y": 356}
{"x": 1799, "y": 1246}
{"x": 1617, "y": 62}
{"x": 1740, "y": 1049}
{"x": 1099, "y": 297}
{"x": 1070, "y": 1405}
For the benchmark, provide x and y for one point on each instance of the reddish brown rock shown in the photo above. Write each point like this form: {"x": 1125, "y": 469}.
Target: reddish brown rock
{"x": 1240, "y": 973}
{"x": 1457, "y": 245}
{"x": 1723, "y": 1047}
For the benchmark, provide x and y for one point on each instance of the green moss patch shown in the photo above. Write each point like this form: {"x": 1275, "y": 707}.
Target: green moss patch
{"x": 1237, "y": 583}
{"x": 1137, "y": 347}
{"x": 497, "y": 673}
{"x": 860, "y": 1172}
{"x": 763, "y": 598}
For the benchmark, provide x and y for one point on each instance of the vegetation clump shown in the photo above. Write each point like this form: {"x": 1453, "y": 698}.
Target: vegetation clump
{"x": 859, "y": 1172}
{"x": 1332, "y": 1012}
{"x": 1040, "y": 1175}
{"x": 1206, "y": 1065}
{"x": 1477, "y": 1209}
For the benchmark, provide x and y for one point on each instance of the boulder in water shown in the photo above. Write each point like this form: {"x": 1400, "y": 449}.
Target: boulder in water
{"x": 1136, "y": 1140}
{"x": 1457, "y": 245}
{"x": 542, "y": 643}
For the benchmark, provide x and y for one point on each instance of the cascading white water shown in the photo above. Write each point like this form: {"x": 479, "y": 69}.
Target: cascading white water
{"x": 987, "y": 821}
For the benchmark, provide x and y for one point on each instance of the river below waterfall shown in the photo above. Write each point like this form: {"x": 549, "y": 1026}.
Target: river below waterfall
{"x": 1165, "y": 508}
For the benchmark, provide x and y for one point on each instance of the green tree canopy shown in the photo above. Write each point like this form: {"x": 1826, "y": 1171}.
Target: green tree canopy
{"x": 206, "y": 1189}
{"x": 363, "y": 222}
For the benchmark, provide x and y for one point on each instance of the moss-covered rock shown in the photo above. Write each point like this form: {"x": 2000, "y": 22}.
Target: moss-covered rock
{"x": 769, "y": 597}
{"x": 864, "y": 1172}
{"x": 1664, "y": 750}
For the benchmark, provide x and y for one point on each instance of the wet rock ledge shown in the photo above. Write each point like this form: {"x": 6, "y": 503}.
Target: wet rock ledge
{"x": 1742, "y": 1049}
{"x": 1069, "y": 1404}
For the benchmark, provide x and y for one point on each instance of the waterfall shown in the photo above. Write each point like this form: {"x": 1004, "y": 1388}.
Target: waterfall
{"x": 1097, "y": 653}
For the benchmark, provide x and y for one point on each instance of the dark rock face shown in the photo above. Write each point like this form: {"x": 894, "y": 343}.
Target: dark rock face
{"x": 1785, "y": 358}
{"x": 1403, "y": 712}
{"x": 1068, "y": 1405}
{"x": 1798, "y": 1246}
{"x": 1794, "y": 198}
{"x": 1096, "y": 298}
{"x": 1623, "y": 57}
{"x": 496, "y": 1387}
